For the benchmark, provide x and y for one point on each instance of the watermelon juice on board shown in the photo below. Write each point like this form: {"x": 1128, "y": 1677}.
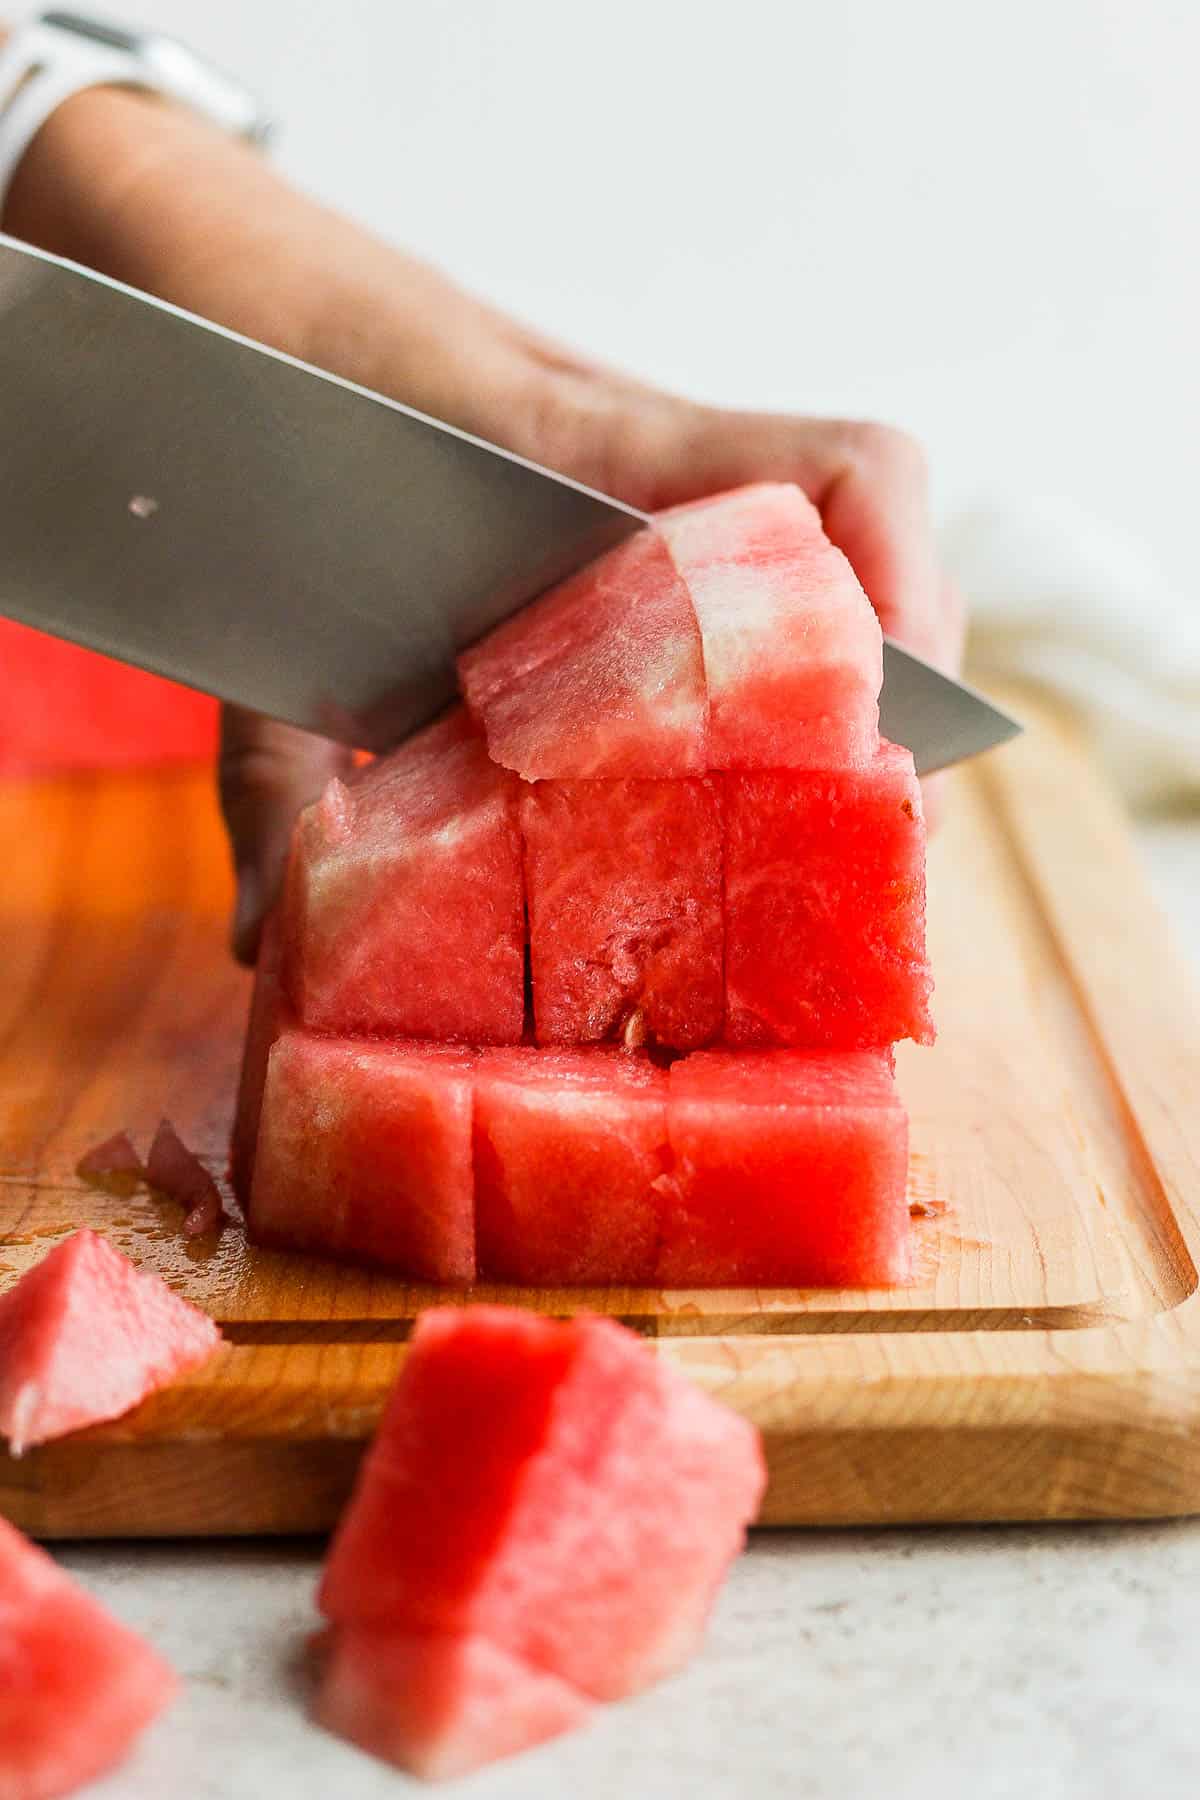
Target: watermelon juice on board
{"x": 667, "y": 796}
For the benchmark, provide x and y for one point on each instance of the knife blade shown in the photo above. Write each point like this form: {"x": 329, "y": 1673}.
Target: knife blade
{"x": 197, "y": 504}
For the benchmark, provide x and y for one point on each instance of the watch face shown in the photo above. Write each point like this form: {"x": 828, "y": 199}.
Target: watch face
{"x": 110, "y": 35}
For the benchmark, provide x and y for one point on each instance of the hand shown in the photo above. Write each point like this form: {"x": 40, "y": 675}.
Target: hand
{"x": 185, "y": 214}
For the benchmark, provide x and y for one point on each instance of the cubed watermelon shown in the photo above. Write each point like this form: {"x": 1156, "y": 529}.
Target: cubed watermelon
{"x": 76, "y": 1688}
{"x": 789, "y": 1169}
{"x": 825, "y": 907}
{"x": 269, "y": 1015}
{"x": 404, "y": 907}
{"x": 364, "y": 1150}
{"x": 555, "y": 1488}
{"x": 793, "y": 654}
{"x": 569, "y": 1145}
{"x": 625, "y": 924}
{"x": 85, "y": 1336}
{"x": 601, "y": 676}
{"x": 439, "y": 1707}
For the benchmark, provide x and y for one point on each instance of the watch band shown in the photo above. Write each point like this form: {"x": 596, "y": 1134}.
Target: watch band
{"x": 57, "y": 54}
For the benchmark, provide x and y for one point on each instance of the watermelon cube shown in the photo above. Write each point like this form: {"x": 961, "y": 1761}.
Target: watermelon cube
{"x": 439, "y": 1707}
{"x": 85, "y": 1336}
{"x": 554, "y": 1488}
{"x": 625, "y": 926}
{"x": 269, "y": 1014}
{"x": 793, "y": 654}
{"x": 569, "y": 1145}
{"x": 76, "y": 1688}
{"x": 789, "y": 1170}
{"x": 602, "y": 675}
{"x": 825, "y": 907}
{"x": 364, "y": 1150}
{"x": 404, "y": 909}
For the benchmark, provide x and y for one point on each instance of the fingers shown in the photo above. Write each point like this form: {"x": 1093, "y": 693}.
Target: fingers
{"x": 267, "y": 773}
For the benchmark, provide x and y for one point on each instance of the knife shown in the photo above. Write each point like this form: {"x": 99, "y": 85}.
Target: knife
{"x": 192, "y": 502}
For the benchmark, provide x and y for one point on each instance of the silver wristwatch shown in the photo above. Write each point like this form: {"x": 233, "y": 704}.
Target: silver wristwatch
{"x": 58, "y": 54}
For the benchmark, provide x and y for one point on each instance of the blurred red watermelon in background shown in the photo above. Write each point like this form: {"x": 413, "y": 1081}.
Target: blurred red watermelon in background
{"x": 66, "y": 708}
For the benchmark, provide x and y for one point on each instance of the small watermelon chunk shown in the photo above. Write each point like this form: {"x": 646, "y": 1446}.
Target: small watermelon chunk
{"x": 364, "y": 1150}
{"x": 76, "y": 1687}
{"x": 602, "y": 675}
{"x": 568, "y": 1147}
{"x": 556, "y": 1488}
{"x": 825, "y": 907}
{"x": 439, "y": 1707}
{"x": 793, "y": 654}
{"x": 178, "y": 1172}
{"x": 404, "y": 909}
{"x": 790, "y": 1170}
{"x": 625, "y": 924}
{"x": 85, "y": 1336}
{"x": 269, "y": 1014}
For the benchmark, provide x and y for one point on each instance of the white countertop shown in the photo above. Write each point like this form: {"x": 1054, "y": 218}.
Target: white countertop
{"x": 1054, "y": 1663}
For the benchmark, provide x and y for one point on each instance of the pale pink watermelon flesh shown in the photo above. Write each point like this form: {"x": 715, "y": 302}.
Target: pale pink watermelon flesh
{"x": 404, "y": 906}
{"x": 76, "y": 1688}
{"x": 793, "y": 654}
{"x": 601, "y": 676}
{"x": 557, "y": 1489}
{"x": 439, "y": 1707}
{"x": 625, "y": 923}
{"x": 85, "y": 1336}
{"x": 569, "y": 1145}
{"x": 825, "y": 907}
{"x": 269, "y": 1015}
{"x": 364, "y": 1151}
{"x": 789, "y": 1169}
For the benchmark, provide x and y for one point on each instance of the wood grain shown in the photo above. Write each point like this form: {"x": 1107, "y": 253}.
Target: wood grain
{"x": 1045, "y": 1362}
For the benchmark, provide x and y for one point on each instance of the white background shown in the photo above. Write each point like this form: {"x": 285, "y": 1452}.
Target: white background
{"x": 979, "y": 221}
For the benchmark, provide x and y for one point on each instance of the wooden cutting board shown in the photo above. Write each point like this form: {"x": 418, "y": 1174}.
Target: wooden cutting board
{"x": 1045, "y": 1362}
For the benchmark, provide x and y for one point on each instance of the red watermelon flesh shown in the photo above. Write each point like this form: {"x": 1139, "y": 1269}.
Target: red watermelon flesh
{"x": 76, "y": 1688}
{"x": 793, "y": 654}
{"x": 601, "y": 676}
{"x": 439, "y": 1707}
{"x": 404, "y": 908}
{"x": 62, "y": 707}
{"x": 556, "y": 1488}
{"x": 568, "y": 1147}
{"x": 825, "y": 907}
{"x": 364, "y": 1150}
{"x": 625, "y": 927}
{"x": 790, "y": 1169}
{"x": 269, "y": 1014}
{"x": 85, "y": 1336}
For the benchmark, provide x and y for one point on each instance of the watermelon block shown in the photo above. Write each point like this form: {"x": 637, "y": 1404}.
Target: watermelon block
{"x": 404, "y": 908}
{"x": 789, "y": 1169}
{"x": 85, "y": 1336}
{"x": 601, "y": 676}
{"x": 76, "y": 1688}
{"x": 554, "y": 1488}
{"x": 63, "y": 707}
{"x": 568, "y": 1147}
{"x": 625, "y": 926}
{"x": 439, "y": 1707}
{"x": 793, "y": 653}
{"x": 269, "y": 1014}
{"x": 364, "y": 1150}
{"x": 825, "y": 907}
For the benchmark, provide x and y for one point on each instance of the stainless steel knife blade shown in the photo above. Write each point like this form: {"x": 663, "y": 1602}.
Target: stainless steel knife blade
{"x": 197, "y": 504}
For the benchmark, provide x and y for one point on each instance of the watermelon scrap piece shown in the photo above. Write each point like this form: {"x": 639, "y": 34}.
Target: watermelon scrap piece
{"x": 85, "y": 1336}
{"x": 364, "y": 1150}
{"x": 439, "y": 1707}
{"x": 793, "y": 653}
{"x": 790, "y": 1170}
{"x": 404, "y": 907}
{"x": 177, "y": 1172}
{"x": 114, "y": 1165}
{"x": 76, "y": 1687}
{"x": 603, "y": 675}
{"x": 825, "y": 907}
{"x": 269, "y": 1015}
{"x": 569, "y": 1145}
{"x": 625, "y": 922}
{"x": 556, "y": 1488}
